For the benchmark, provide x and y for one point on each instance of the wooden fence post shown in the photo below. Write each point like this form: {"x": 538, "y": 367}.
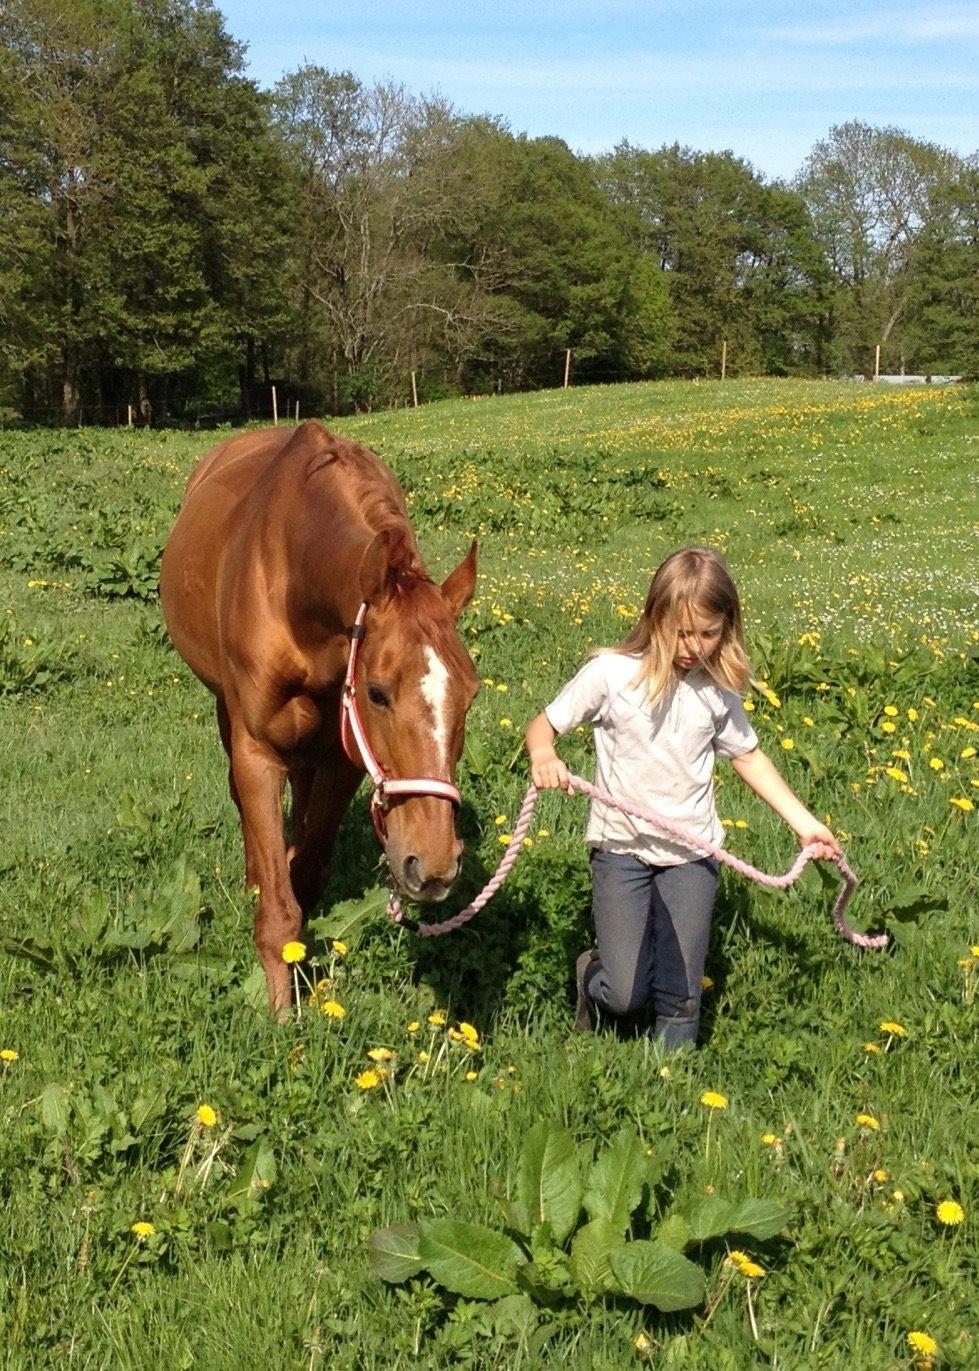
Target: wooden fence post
{"x": 877, "y": 363}
{"x": 567, "y": 366}
{"x": 723, "y": 359}
{"x": 129, "y": 416}
{"x": 275, "y": 407}
{"x": 414, "y": 391}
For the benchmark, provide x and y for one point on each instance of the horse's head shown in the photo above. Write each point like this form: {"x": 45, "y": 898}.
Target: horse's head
{"x": 414, "y": 684}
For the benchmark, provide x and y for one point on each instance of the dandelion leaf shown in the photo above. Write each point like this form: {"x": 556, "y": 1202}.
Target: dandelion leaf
{"x": 393, "y": 1252}
{"x": 345, "y": 920}
{"x": 55, "y": 1107}
{"x": 674, "y": 1232}
{"x": 653, "y": 1273}
{"x": 548, "y": 1179}
{"x": 711, "y": 1218}
{"x": 591, "y": 1248}
{"x": 469, "y": 1259}
{"x": 760, "y": 1218}
{"x": 616, "y": 1181}
{"x": 255, "y": 1175}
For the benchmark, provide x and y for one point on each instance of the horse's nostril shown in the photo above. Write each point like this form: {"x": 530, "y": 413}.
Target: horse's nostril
{"x": 412, "y": 872}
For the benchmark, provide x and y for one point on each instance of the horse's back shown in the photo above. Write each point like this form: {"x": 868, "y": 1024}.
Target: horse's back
{"x": 228, "y": 507}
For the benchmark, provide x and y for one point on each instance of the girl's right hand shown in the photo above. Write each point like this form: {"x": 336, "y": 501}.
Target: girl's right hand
{"x": 549, "y": 772}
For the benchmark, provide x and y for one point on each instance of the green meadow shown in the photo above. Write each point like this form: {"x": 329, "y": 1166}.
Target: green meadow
{"x": 143, "y": 1083}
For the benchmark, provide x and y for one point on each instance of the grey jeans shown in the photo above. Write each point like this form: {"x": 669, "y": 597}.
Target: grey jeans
{"x": 652, "y": 924}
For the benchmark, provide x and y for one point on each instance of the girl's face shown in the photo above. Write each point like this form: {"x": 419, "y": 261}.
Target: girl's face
{"x": 698, "y": 637}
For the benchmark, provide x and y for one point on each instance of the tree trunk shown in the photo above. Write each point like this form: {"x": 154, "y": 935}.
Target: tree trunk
{"x": 145, "y": 403}
{"x": 71, "y": 393}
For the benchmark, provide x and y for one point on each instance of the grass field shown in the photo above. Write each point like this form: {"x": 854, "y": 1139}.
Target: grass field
{"x": 128, "y": 994}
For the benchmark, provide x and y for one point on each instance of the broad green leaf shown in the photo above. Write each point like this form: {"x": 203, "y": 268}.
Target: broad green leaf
{"x": 674, "y": 1232}
{"x": 469, "y": 1259}
{"x": 712, "y": 1218}
{"x": 760, "y": 1218}
{"x": 254, "y": 990}
{"x": 393, "y": 1252}
{"x": 616, "y": 1180}
{"x": 255, "y": 1175}
{"x": 590, "y": 1250}
{"x": 345, "y": 920}
{"x": 55, "y": 1107}
{"x": 654, "y": 1274}
{"x": 514, "y": 1315}
{"x": 548, "y": 1179}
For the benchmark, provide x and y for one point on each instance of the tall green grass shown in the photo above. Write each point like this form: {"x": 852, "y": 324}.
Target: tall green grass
{"x": 127, "y": 986}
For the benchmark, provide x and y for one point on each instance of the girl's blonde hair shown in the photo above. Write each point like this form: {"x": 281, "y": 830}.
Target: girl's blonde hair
{"x": 693, "y": 579}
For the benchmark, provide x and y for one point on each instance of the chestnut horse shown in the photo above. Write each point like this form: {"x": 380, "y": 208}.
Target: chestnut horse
{"x": 282, "y": 536}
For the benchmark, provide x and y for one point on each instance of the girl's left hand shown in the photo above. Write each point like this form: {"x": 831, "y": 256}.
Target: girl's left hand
{"x": 819, "y": 836}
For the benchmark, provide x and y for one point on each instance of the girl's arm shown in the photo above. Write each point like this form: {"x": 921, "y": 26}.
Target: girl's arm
{"x": 757, "y": 771}
{"x": 546, "y": 767}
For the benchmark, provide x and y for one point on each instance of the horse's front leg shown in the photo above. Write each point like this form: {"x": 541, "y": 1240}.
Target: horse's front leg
{"x": 332, "y": 789}
{"x": 259, "y": 775}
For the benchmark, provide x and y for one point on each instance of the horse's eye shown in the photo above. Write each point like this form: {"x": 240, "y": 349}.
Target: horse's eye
{"x": 377, "y": 696}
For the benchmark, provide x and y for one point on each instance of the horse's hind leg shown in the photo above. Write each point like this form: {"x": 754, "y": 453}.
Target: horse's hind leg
{"x": 224, "y": 728}
{"x": 332, "y": 789}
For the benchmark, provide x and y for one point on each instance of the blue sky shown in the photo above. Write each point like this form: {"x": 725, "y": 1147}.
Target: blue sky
{"x": 765, "y": 80}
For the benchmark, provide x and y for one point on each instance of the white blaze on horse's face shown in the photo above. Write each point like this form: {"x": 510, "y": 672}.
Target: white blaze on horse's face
{"x": 434, "y": 687}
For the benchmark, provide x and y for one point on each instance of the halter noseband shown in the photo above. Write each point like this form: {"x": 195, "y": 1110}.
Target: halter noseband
{"x": 383, "y": 787}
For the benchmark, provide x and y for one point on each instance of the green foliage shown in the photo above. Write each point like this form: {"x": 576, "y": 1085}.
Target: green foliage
{"x": 472, "y": 1260}
{"x": 847, "y": 519}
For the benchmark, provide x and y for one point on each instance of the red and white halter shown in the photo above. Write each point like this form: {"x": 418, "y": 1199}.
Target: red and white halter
{"x": 384, "y": 787}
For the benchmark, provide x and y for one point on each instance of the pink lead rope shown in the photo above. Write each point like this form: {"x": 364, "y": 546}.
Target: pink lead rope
{"x": 688, "y": 839}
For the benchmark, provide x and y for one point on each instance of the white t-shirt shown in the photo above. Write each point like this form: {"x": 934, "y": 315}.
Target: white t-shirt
{"x": 657, "y": 756}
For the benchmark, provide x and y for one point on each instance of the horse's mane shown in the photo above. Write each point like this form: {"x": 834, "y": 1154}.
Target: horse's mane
{"x": 380, "y": 503}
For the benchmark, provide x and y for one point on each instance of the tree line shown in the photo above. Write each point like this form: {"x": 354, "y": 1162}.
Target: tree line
{"x": 176, "y": 240}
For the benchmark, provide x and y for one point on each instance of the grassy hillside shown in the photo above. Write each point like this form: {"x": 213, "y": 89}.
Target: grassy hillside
{"x": 849, "y": 517}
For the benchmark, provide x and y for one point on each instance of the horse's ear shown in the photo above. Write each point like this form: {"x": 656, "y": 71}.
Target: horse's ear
{"x": 374, "y": 567}
{"x": 458, "y": 586}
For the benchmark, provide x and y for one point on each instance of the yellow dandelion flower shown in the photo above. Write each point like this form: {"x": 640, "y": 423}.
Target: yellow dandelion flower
{"x": 422, "y": 1058}
{"x": 293, "y": 952}
{"x": 888, "y": 727}
{"x": 770, "y": 1139}
{"x": 412, "y": 1027}
{"x": 706, "y": 983}
{"x": 962, "y": 802}
{"x": 339, "y": 947}
{"x": 749, "y": 706}
{"x": 665, "y": 1072}
{"x": 9, "y": 1055}
{"x": 896, "y": 774}
{"x": 741, "y": 823}
{"x": 967, "y": 752}
{"x": 936, "y": 763}
{"x": 471, "y": 1075}
{"x": 868, "y": 1121}
{"x": 437, "y": 1018}
{"x": 913, "y": 715}
{"x": 745, "y": 1265}
{"x": 505, "y": 838}
{"x": 206, "y": 1115}
{"x": 469, "y": 1034}
{"x": 902, "y": 753}
{"x": 890, "y": 711}
{"x": 949, "y": 1212}
{"x": 871, "y": 1047}
{"x": 788, "y": 744}
{"x": 922, "y": 1344}
{"x": 333, "y": 1010}
{"x": 381, "y": 1054}
{"x": 713, "y": 1099}
{"x": 500, "y": 820}
{"x": 880, "y": 1176}
{"x": 143, "y": 1229}
{"x": 974, "y": 949}
{"x": 896, "y": 1029}
{"x": 506, "y": 723}
{"x": 368, "y": 1080}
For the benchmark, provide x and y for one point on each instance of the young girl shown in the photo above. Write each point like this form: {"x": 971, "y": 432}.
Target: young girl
{"x": 663, "y": 705}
